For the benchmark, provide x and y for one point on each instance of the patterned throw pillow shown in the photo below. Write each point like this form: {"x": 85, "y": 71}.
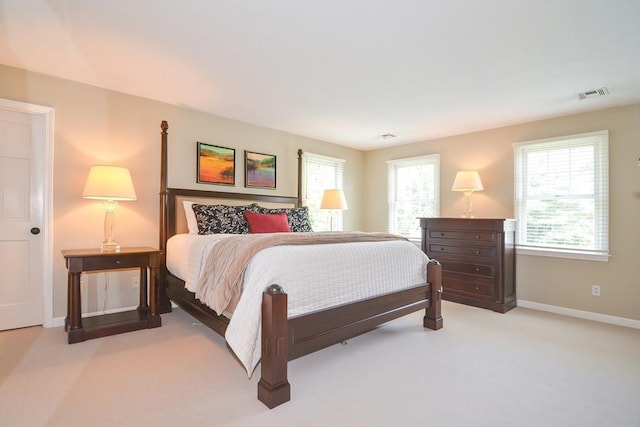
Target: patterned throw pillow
{"x": 298, "y": 217}
{"x": 222, "y": 219}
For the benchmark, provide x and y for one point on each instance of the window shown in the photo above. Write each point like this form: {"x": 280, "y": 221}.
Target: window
{"x": 562, "y": 196}
{"x": 414, "y": 191}
{"x": 318, "y": 174}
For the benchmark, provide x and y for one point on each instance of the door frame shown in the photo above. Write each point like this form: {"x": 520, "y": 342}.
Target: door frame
{"x": 47, "y": 226}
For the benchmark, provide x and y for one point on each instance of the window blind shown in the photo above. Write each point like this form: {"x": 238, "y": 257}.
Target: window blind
{"x": 414, "y": 191}
{"x": 562, "y": 194}
{"x": 318, "y": 174}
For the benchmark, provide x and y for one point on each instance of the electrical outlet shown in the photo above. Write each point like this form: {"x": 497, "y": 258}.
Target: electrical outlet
{"x": 595, "y": 290}
{"x": 135, "y": 281}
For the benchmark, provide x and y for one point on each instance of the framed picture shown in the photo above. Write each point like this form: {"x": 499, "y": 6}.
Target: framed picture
{"x": 259, "y": 170}
{"x": 216, "y": 165}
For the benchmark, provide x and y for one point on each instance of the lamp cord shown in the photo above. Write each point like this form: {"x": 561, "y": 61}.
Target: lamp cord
{"x": 106, "y": 293}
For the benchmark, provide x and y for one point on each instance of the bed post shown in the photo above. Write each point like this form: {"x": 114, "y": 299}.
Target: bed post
{"x": 164, "y": 304}
{"x": 274, "y": 388}
{"x": 433, "y": 318}
{"x": 299, "y": 177}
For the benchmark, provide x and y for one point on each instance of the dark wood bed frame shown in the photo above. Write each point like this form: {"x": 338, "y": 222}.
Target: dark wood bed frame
{"x": 285, "y": 339}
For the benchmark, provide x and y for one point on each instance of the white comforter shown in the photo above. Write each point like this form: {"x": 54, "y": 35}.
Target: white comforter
{"x": 314, "y": 277}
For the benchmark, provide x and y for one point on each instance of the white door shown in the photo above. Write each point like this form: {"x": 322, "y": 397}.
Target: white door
{"x": 22, "y": 171}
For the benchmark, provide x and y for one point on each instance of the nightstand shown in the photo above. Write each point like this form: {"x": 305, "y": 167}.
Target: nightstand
{"x": 88, "y": 260}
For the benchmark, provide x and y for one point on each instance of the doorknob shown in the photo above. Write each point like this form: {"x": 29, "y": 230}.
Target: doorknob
{"x": 35, "y": 230}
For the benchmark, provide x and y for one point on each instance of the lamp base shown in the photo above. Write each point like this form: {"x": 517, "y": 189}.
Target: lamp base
{"x": 467, "y": 205}
{"x": 110, "y": 247}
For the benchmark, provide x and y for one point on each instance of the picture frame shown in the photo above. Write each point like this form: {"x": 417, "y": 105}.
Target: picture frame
{"x": 216, "y": 164}
{"x": 259, "y": 170}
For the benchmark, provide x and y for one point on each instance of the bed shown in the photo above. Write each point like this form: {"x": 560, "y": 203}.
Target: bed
{"x": 282, "y": 336}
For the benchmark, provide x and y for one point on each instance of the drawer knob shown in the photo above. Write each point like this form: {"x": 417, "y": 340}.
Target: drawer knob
{"x": 477, "y": 252}
{"x": 477, "y": 236}
{"x": 477, "y": 288}
{"x": 441, "y": 234}
{"x": 442, "y": 249}
{"x": 477, "y": 269}
{"x": 117, "y": 261}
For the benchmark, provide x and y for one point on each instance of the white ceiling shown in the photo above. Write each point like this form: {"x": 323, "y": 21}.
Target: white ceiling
{"x": 341, "y": 71}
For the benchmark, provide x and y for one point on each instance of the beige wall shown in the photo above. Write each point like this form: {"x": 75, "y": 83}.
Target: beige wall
{"x": 554, "y": 281}
{"x": 93, "y": 125}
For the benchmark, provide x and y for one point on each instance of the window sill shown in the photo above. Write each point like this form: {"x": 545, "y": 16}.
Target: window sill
{"x": 559, "y": 253}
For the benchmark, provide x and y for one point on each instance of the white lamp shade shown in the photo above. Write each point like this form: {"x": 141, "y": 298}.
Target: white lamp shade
{"x": 109, "y": 183}
{"x": 333, "y": 199}
{"x": 467, "y": 181}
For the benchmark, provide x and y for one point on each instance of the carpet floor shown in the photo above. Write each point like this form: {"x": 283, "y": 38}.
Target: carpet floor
{"x": 522, "y": 368}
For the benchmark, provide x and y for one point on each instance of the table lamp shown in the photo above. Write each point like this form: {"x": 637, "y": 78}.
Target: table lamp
{"x": 467, "y": 182}
{"x": 333, "y": 200}
{"x": 110, "y": 184}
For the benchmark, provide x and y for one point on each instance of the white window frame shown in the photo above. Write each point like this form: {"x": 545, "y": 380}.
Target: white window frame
{"x": 600, "y": 142}
{"x": 321, "y": 219}
{"x": 393, "y": 166}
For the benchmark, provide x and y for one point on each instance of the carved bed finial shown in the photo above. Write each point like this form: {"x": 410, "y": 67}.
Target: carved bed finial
{"x": 274, "y": 290}
{"x": 164, "y": 126}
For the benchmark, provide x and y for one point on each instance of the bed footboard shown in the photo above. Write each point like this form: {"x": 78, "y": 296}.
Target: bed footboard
{"x": 286, "y": 339}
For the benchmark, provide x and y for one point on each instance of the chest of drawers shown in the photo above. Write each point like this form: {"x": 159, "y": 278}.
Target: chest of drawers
{"x": 477, "y": 257}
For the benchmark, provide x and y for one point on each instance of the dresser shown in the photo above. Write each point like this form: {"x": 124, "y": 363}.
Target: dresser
{"x": 478, "y": 259}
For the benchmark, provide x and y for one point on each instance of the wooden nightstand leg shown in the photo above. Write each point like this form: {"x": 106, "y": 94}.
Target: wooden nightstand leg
{"x": 69, "y": 291}
{"x": 75, "y": 310}
{"x": 143, "y": 291}
{"x": 76, "y": 332}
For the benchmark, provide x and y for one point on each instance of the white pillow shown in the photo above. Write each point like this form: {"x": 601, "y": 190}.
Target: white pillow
{"x": 192, "y": 223}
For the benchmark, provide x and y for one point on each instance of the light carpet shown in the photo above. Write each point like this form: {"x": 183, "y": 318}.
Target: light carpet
{"x": 522, "y": 368}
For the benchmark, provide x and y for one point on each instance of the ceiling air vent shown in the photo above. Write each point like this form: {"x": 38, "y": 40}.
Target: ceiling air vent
{"x": 593, "y": 93}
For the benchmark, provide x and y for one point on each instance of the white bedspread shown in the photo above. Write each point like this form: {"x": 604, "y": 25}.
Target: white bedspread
{"x": 314, "y": 277}
{"x": 187, "y": 253}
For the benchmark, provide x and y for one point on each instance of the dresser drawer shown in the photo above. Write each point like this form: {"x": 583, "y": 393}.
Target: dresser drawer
{"x": 436, "y": 249}
{"x": 452, "y": 282}
{"x": 484, "y": 270}
{"x": 466, "y": 236}
{"x": 114, "y": 262}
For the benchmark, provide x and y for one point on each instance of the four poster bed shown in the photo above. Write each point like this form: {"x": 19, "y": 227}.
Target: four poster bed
{"x": 284, "y": 331}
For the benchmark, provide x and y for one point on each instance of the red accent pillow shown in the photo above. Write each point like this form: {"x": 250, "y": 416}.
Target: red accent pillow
{"x": 267, "y": 223}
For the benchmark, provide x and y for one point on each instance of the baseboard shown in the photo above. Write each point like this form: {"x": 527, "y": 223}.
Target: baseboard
{"x": 59, "y": 321}
{"x": 571, "y": 312}
{"x": 604, "y": 318}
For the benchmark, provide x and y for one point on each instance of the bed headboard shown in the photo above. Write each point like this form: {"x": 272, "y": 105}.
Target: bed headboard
{"x": 177, "y": 221}
{"x": 172, "y": 216}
